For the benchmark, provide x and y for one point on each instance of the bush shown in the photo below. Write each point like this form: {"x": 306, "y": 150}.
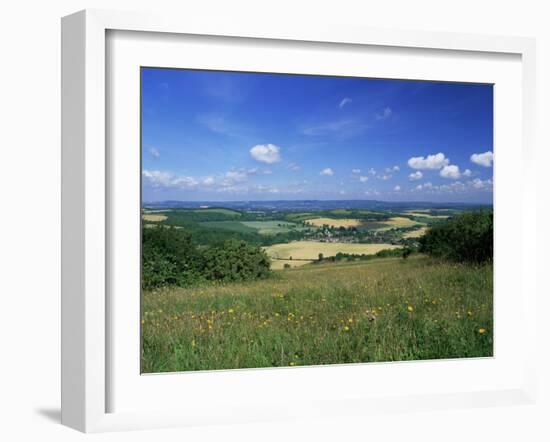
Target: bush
{"x": 467, "y": 237}
{"x": 169, "y": 257}
{"x": 235, "y": 261}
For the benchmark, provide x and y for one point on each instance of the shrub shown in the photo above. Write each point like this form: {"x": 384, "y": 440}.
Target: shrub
{"x": 169, "y": 257}
{"x": 235, "y": 261}
{"x": 466, "y": 237}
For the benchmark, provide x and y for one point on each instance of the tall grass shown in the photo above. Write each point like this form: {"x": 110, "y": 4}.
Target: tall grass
{"x": 381, "y": 310}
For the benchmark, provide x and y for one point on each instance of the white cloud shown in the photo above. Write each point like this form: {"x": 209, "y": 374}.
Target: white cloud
{"x": 247, "y": 189}
{"x": 386, "y": 113}
{"x": 467, "y": 173}
{"x": 391, "y": 169}
{"x": 266, "y": 153}
{"x": 384, "y": 177}
{"x": 425, "y": 186}
{"x": 415, "y": 176}
{"x": 397, "y": 188}
{"x": 479, "y": 184}
{"x": 293, "y": 166}
{"x": 355, "y": 171}
{"x": 344, "y": 102}
{"x": 372, "y": 192}
{"x": 457, "y": 187}
{"x": 157, "y": 178}
{"x": 372, "y": 171}
{"x": 363, "y": 179}
{"x": 483, "y": 159}
{"x": 433, "y": 162}
{"x": 451, "y": 171}
{"x": 327, "y": 172}
{"x": 154, "y": 152}
{"x": 208, "y": 181}
{"x": 264, "y": 189}
{"x": 234, "y": 176}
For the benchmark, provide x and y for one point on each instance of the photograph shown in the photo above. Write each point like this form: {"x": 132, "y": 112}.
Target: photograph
{"x": 292, "y": 220}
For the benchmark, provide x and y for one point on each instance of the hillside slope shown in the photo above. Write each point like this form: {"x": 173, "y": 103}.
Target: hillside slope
{"x": 380, "y": 310}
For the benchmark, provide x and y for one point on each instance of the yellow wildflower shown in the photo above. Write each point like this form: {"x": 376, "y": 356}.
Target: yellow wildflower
{"x": 346, "y": 328}
{"x": 481, "y": 331}
{"x": 410, "y": 308}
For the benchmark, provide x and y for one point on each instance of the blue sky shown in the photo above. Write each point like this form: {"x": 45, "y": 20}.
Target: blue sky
{"x": 227, "y": 136}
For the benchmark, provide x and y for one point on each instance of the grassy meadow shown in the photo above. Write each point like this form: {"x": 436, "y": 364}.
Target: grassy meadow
{"x": 387, "y": 309}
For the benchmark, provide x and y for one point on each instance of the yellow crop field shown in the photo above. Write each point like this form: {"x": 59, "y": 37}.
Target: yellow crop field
{"x": 310, "y": 249}
{"x": 155, "y": 218}
{"x": 399, "y": 221}
{"x": 347, "y": 222}
{"x": 415, "y": 233}
{"x": 427, "y": 215}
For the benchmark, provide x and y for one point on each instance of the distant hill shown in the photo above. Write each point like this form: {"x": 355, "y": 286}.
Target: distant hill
{"x": 309, "y": 205}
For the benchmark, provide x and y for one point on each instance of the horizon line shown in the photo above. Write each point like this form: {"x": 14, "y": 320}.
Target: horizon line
{"x": 315, "y": 200}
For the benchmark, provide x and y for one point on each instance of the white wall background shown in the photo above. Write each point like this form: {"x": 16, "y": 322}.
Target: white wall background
{"x": 30, "y": 215}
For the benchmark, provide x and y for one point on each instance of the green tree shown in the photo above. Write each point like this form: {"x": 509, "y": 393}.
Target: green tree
{"x": 465, "y": 237}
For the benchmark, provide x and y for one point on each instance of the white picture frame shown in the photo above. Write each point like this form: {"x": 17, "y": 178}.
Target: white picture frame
{"x": 86, "y": 213}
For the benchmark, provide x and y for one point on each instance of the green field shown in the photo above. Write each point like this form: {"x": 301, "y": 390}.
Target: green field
{"x": 299, "y": 216}
{"x": 380, "y": 310}
{"x": 220, "y": 210}
{"x": 234, "y": 226}
{"x": 272, "y": 227}
{"x": 261, "y": 227}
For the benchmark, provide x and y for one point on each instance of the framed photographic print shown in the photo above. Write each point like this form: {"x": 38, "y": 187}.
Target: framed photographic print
{"x": 341, "y": 243}
{"x": 251, "y": 212}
